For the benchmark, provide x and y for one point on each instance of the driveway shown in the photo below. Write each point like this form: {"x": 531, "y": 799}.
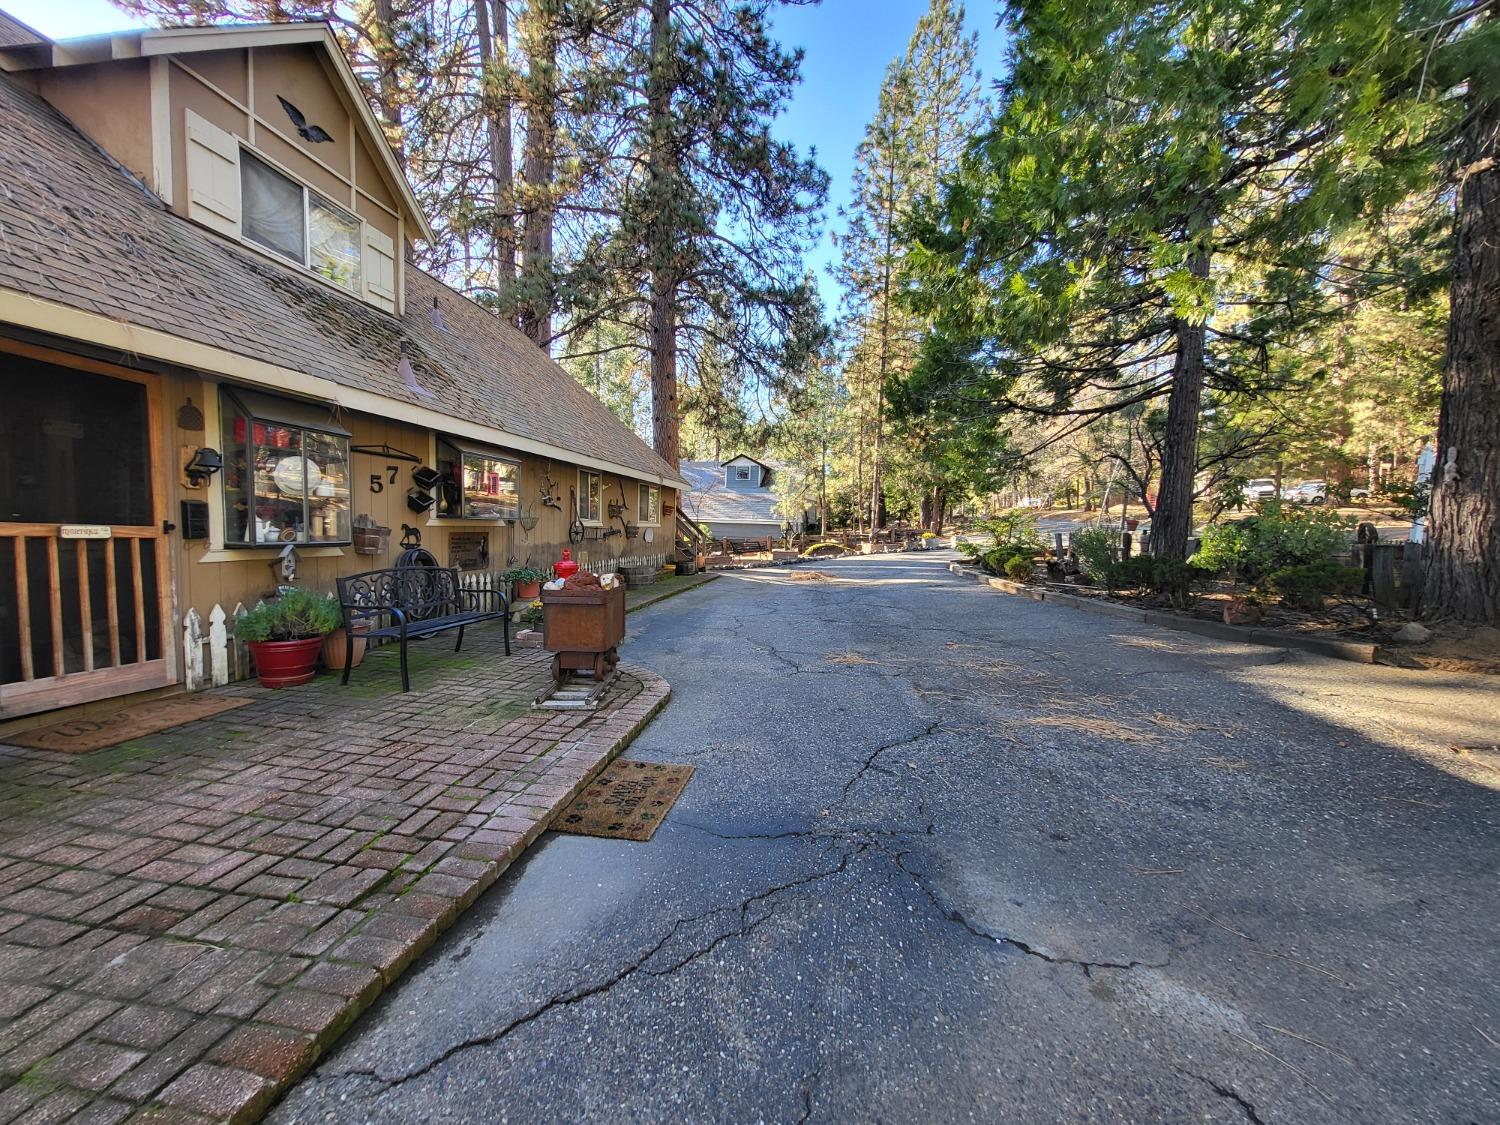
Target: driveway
{"x": 952, "y": 855}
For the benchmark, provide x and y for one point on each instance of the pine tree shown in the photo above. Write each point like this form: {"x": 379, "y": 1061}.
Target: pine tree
{"x": 929, "y": 101}
{"x": 1147, "y": 220}
{"x": 716, "y": 209}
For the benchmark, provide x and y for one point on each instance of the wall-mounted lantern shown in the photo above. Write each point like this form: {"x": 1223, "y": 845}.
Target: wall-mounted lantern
{"x": 204, "y": 464}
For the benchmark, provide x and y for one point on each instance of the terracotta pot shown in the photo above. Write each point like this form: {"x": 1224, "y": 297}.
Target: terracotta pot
{"x": 334, "y": 648}
{"x": 528, "y": 591}
{"x": 1132, "y": 524}
{"x": 285, "y": 663}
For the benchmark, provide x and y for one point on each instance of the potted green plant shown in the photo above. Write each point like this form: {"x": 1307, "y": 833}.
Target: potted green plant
{"x": 285, "y": 634}
{"x": 527, "y": 581}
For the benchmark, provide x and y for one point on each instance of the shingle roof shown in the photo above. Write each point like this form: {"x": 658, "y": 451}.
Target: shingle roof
{"x": 711, "y": 501}
{"x": 14, "y": 33}
{"x": 77, "y": 230}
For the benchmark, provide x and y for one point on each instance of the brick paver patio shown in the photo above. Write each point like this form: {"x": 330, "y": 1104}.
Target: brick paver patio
{"x": 188, "y": 919}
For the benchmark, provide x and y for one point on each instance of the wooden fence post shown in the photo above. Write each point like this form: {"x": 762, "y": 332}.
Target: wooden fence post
{"x": 218, "y": 646}
{"x": 239, "y": 651}
{"x": 192, "y": 650}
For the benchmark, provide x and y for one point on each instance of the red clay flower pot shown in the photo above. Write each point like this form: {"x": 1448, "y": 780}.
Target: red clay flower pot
{"x": 528, "y": 591}
{"x": 285, "y": 663}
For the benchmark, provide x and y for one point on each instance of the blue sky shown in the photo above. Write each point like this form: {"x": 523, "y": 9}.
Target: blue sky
{"x": 847, "y": 45}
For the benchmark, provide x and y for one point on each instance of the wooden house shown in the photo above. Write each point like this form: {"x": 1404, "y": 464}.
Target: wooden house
{"x": 214, "y": 347}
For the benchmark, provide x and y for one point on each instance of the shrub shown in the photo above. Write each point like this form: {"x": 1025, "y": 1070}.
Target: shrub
{"x": 1017, "y": 528}
{"x": 296, "y": 615}
{"x": 1173, "y": 580}
{"x": 1166, "y": 578}
{"x": 523, "y": 574}
{"x": 1305, "y": 586}
{"x": 997, "y": 559}
{"x": 1280, "y": 536}
{"x": 1020, "y": 568}
{"x": 1133, "y": 573}
{"x": 1093, "y": 550}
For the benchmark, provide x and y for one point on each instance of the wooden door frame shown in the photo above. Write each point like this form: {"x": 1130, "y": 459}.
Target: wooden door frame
{"x": 28, "y": 697}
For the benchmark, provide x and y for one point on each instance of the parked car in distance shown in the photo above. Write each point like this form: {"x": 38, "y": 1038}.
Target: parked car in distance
{"x": 1308, "y": 492}
{"x": 1032, "y": 502}
{"x": 1359, "y": 494}
{"x": 1261, "y": 488}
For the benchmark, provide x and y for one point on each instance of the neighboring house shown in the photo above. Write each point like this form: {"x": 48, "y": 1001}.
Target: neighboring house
{"x": 212, "y": 346}
{"x": 736, "y": 498}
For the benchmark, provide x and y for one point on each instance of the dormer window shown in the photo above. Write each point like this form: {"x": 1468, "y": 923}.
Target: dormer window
{"x": 280, "y": 215}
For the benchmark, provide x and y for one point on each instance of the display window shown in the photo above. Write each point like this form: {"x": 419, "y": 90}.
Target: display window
{"x": 477, "y": 483}
{"x": 286, "y": 472}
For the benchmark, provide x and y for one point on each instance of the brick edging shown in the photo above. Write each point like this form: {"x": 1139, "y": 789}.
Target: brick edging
{"x": 1357, "y": 651}
{"x": 594, "y": 755}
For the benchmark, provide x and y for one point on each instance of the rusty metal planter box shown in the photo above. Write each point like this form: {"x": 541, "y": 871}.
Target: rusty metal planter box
{"x": 583, "y": 628}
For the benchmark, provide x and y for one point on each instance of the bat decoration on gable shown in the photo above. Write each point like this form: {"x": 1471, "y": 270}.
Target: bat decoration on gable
{"x": 313, "y": 133}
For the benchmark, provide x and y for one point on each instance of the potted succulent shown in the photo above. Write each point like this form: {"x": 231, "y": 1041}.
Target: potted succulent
{"x": 527, "y": 580}
{"x": 284, "y": 635}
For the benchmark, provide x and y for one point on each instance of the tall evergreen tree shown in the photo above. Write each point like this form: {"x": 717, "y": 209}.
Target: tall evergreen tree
{"x": 929, "y": 101}
{"x": 1147, "y": 220}
{"x": 717, "y": 211}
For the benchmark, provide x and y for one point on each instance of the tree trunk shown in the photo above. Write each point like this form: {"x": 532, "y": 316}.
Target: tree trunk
{"x": 537, "y": 170}
{"x": 1172, "y": 520}
{"x": 388, "y": 59}
{"x": 494, "y": 54}
{"x": 664, "y": 420}
{"x": 1462, "y": 552}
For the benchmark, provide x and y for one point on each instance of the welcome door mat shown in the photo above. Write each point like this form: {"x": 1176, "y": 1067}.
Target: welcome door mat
{"x": 627, "y": 801}
{"x": 79, "y": 736}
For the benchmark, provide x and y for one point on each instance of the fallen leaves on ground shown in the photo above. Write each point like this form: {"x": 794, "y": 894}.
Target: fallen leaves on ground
{"x": 850, "y": 658}
{"x": 1226, "y": 763}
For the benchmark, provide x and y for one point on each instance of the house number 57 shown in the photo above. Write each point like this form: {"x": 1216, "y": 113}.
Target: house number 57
{"x": 378, "y": 485}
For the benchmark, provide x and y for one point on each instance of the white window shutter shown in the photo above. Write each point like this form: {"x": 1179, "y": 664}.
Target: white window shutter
{"x": 379, "y": 268}
{"x": 213, "y": 175}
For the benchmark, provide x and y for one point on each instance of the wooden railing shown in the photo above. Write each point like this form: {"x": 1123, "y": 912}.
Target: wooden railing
{"x": 57, "y": 614}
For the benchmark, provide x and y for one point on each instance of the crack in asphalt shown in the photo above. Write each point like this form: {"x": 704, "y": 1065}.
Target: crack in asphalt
{"x": 885, "y": 748}
{"x": 953, "y": 914}
{"x": 746, "y": 924}
{"x": 1246, "y": 1106}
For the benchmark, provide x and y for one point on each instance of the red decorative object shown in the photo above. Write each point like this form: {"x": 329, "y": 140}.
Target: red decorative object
{"x": 566, "y": 567}
{"x": 285, "y": 663}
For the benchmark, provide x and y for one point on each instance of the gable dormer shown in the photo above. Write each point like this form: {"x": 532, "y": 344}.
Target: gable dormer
{"x": 746, "y": 474}
{"x": 260, "y": 133}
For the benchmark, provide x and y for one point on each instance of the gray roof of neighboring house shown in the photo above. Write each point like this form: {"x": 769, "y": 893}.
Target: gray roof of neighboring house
{"x": 81, "y": 232}
{"x": 712, "y": 502}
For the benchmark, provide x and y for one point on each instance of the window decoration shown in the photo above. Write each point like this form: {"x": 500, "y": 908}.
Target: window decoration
{"x": 588, "y": 496}
{"x": 650, "y": 509}
{"x": 286, "y": 472}
{"x": 477, "y": 484}
{"x": 280, "y": 215}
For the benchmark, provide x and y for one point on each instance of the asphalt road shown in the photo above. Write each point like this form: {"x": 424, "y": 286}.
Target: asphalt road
{"x": 950, "y": 855}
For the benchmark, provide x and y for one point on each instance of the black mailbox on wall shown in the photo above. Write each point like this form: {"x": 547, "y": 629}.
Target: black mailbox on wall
{"x": 195, "y": 519}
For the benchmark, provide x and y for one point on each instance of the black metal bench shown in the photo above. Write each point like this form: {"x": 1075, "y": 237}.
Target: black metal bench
{"x": 401, "y": 603}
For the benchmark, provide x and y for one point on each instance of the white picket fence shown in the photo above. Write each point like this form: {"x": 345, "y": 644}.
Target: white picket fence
{"x": 213, "y": 656}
